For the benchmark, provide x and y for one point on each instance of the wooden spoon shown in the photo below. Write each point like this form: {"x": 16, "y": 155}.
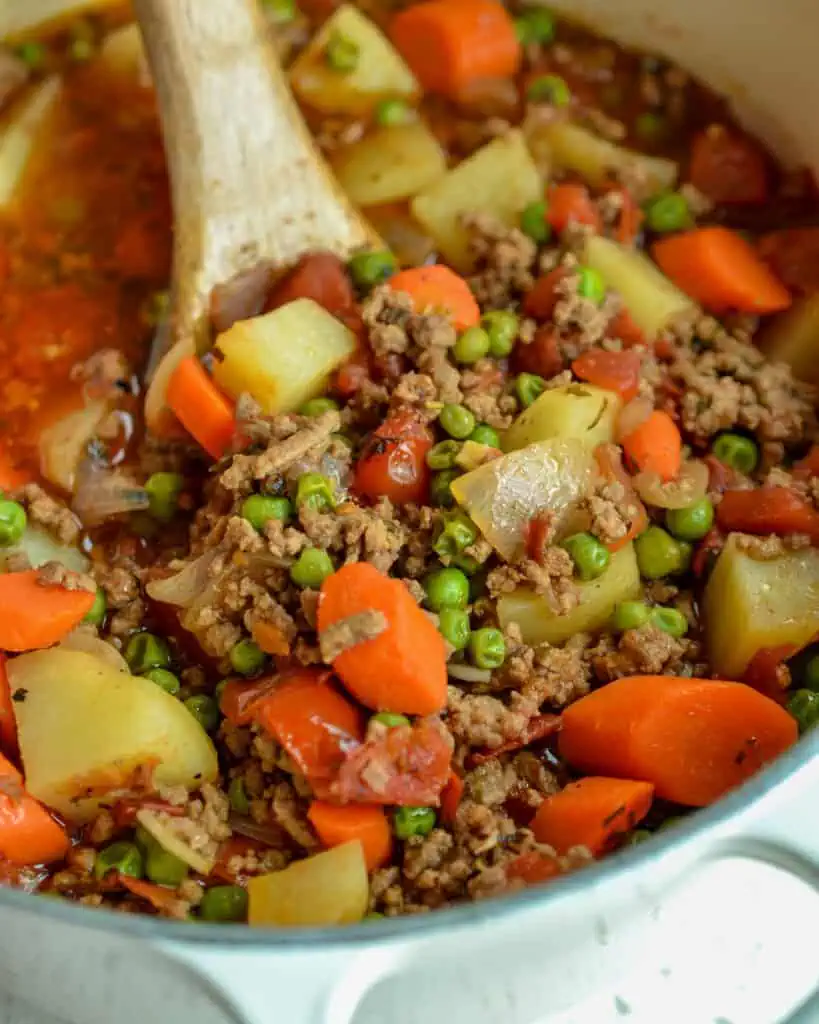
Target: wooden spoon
{"x": 249, "y": 186}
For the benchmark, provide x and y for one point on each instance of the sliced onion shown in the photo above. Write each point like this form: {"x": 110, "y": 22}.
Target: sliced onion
{"x": 100, "y": 493}
{"x": 174, "y": 844}
{"x": 632, "y": 415}
{"x": 403, "y": 235}
{"x": 469, "y": 674}
{"x": 268, "y": 833}
{"x": 64, "y": 443}
{"x": 40, "y": 547}
{"x": 240, "y": 298}
{"x": 185, "y": 586}
{"x": 82, "y": 640}
{"x": 689, "y": 486}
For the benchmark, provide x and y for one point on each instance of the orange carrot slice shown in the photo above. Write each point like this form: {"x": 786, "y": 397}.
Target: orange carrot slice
{"x": 335, "y": 825}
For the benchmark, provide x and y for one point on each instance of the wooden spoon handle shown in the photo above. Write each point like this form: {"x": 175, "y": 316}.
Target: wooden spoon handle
{"x": 248, "y": 183}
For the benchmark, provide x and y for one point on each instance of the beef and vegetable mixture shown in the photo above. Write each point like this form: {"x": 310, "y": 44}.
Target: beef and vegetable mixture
{"x": 445, "y": 570}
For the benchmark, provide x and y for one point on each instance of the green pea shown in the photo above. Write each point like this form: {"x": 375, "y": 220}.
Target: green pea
{"x": 391, "y": 720}
{"x": 651, "y": 128}
{"x": 534, "y": 224}
{"x": 237, "y": 795}
{"x": 205, "y": 710}
{"x": 487, "y": 648}
{"x": 671, "y": 822}
{"x": 484, "y": 434}
{"x": 457, "y": 533}
{"x": 447, "y": 588}
{"x": 368, "y": 269}
{"x": 224, "y": 903}
{"x": 163, "y": 495}
{"x": 145, "y": 651}
{"x": 440, "y": 488}
{"x": 691, "y": 523}
{"x": 318, "y": 406}
{"x": 315, "y": 491}
{"x": 259, "y": 510}
{"x": 639, "y": 835}
{"x": 502, "y": 327}
{"x": 81, "y": 50}
{"x": 457, "y": 421}
{"x": 453, "y": 624}
{"x": 32, "y": 54}
{"x": 630, "y": 615}
{"x": 811, "y": 675}
{"x": 163, "y": 868}
{"x": 528, "y": 388}
{"x": 389, "y": 113}
{"x": 804, "y": 706}
{"x": 96, "y": 616}
{"x": 246, "y": 658}
{"x": 549, "y": 89}
{"x": 373, "y": 916}
{"x": 658, "y": 554}
{"x": 342, "y": 53}
{"x": 12, "y": 522}
{"x": 280, "y": 10}
{"x": 536, "y": 25}
{"x": 466, "y": 563}
{"x": 120, "y": 856}
{"x": 413, "y": 821}
{"x": 668, "y": 213}
{"x": 311, "y": 568}
{"x": 670, "y": 621}
{"x": 144, "y": 840}
{"x": 471, "y": 346}
{"x": 443, "y": 455}
{"x": 686, "y": 556}
{"x": 590, "y": 557}
{"x": 590, "y": 285}
{"x": 164, "y": 679}
{"x": 737, "y": 451}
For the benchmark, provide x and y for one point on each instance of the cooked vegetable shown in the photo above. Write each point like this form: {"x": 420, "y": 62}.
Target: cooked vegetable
{"x": 336, "y": 825}
{"x": 691, "y": 522}
{"x": 64, "y": 443}
{"x": 594, "y": 812}
{"x": 655, "y": 446}
{"x": 8, "y": 725}
{"x": 658, "y": 554}
{"x": 325, "y": 889}
{"x": 200, "y": 407}
{"x": 728, "y": 167}
{"x": 737, "y": 451}
{"x": 719, "y": 269}
{"x": 311, "y": 568}
{"x": 580, "y": 411}
{"x": 224, "y": 903}
{"x": 457, "y": 421}
{"x": 569, "y": 204}
{"x": 670, "y": 621}
{"x": 750, "y": 605}
{"x": 668, "y": 213}
{"x": 28, "y": 833}
{"x": 17, "y": 137}
{"x": 84, "y": 730}
{"x": 379, "y": 72}
{"x": 487, "y": 648}
{"x": 258, "y": 356}
{"x": 390, "y": 164}
{"x": 503, "y": 495}
{"x": 472, "y": 345}
{"x": 309, "y": 717}
{"x": 204, "y": 709}
{"x": 122, "y": 857}
{"x": 694, "y": 739}
{"x": 804, "y": 706}
{"x": 39, "y": 547}
{"x": 590, "y": 556}
{"x": 173, "y": 843}
{"x": 34, "y": 615}
{"x": 768, "y": 510}
{"x": 599, "y": 161}
{"x": 122, "y": 53}
{"x": 540, "y": 623}
{"x": 439, "y": 289}
{"x": 793, "y": 338}
{"x": 393, "y": 462}
{"x": 650, "y": 298}
{"x": 499, "y": 180}
{"x": 403, "y": 667}
{"x": 614, "y": 371}
{"x": 451, "y": 46}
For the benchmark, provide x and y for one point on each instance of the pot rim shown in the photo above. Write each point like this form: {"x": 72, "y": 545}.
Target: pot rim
{"x": 624, "y": 864}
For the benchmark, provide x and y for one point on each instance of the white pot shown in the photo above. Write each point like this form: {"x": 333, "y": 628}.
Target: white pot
{"x": 716, "y": 921}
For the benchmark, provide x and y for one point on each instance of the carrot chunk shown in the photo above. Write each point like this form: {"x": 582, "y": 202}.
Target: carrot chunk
{"x": 655, "y": 446}
{"x": 336, "y": 824}
{"x": 450, "y": 45}
{"x": 33, "y": 615}
{"x": 403, "y": 668}
{"x": 439, "y": 289}
{"x": 594, "y": 812}
{"x": 571, "y": 204}
{"x": 768, "y": 510}
{"x": 200, "y": 407}
{"x": 28, "y": 833}
{"x": 693, "y": 739}
{"x": 719, "y": 269}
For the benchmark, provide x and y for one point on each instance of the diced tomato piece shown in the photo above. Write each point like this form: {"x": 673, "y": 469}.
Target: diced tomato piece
{"x": 624, "y": 328}
{"x": 542, "y": 297}
{"x": 728, "y": 167}
{"x": 542, "y": 355}
{"x": 614, "y": 371}
{"x": 533, "y": 867}
{"x": 764, "y": 510}
{"x": 393, "y": 463}
{"x": 451, "y": 797}
{"x": 319, "y": 276}
{"x": 793, "y": 255}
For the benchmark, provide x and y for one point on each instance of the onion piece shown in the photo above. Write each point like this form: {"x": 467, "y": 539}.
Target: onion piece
{"x": 100, "y": 493}
{"x": 633, "y": 415}
{"x": 689, "y": 486}
{"x": 84, "y": 640}
{"x": 269, "y": 833}
{"x": 240, "y": 298}
{"x": 64, "y": 443}
{"x": 174, "y": 844}
{"x": 469, "y": 674}
{"x": 39, "y": 547}
{"x": 185, "y": 586}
